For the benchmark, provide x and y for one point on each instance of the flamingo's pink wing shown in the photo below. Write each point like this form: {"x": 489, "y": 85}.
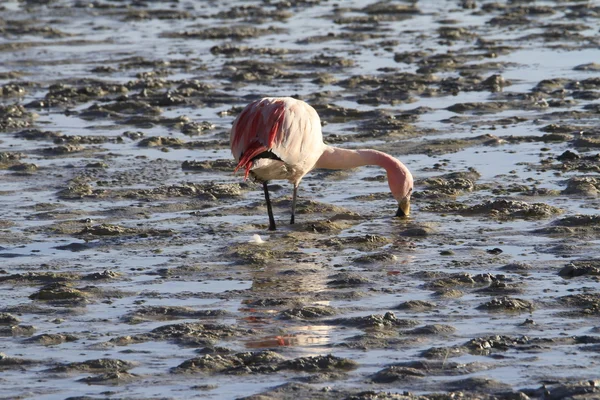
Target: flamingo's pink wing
{"x": 255, "y": 131}
{"x": 290, "y": 128}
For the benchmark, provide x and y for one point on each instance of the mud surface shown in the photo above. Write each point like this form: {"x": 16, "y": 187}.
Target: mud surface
{"x": 136, "y": 265}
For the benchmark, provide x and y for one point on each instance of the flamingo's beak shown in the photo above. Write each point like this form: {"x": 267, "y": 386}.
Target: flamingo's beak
{"x": 403, "y": 207}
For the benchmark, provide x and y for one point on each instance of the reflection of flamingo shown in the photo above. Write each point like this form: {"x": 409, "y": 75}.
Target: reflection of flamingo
{"x": 280, "y": 138}
{"x": 273, "y": 291}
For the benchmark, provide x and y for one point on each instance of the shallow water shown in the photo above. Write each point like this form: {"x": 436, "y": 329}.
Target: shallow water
{"x": 148, "y": 263}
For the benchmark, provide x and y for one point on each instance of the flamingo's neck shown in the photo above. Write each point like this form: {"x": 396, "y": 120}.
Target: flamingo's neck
{"x": 337, "y": 158}
{"x": 399, "y": 177}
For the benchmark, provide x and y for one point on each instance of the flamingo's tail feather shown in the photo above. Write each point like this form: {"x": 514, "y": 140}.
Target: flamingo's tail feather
{"x": 246, "y": 160}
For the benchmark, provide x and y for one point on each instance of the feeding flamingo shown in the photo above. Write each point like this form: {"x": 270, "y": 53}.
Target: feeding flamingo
{"x": 280, "y": 138}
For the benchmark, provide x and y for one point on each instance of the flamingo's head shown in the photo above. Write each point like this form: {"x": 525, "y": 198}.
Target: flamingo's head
{"x": 401, "y": 185}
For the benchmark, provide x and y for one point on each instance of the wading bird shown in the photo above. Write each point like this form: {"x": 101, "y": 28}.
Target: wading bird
{"x": 280, "y": 138}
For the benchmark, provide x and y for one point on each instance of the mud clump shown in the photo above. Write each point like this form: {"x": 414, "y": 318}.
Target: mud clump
{"x": 208, "y": 191}
{"x": 483, "y": 346}
{"x": 382, "y": 257}
{"x": 572, "y": 225}
{"x": 448, "y": 187}
{"x": 8, "y": 159}
{"x": 442, "y": 353}
{"x": 78, "y": 189}
{"x": 234, "y": 32}
{"x": 478, "y": 108}
{"x": 251, "y": 254}
{"x": 8, "y": 319}
{"x": 480, "y": 385}
{"x": 231, "y": 50}
{"x": 63, "y": 150}
{"x": 487, "y": 345}
{"x": 172, "y": 312}
{"x": 580, "y": 268}
{"x": 588, "y": 304}
{"x": 17, "y": 330}
{"x": 318, "y": 364}
{"x": 435, "y": 329}
{"x": 507, "y": 304}
{"x": 322, "y": 227}
{"x": 516, "y": 267}
{"x": 308, "y": 312}
{"x": 15, "y": 117}
{"x": 499, "y": 287}
{"x": 262, "y": 362}
{"x": 376, "y": 321}
{"x": 419, "y": 231}
{"x": 105, "y": 230}
{"x": 217, "y": 165}
{"x": 160, "y": 141}
{"x": 421, "y": 369}
{"x": 23, "y": 168}
{"x": 451, "y": 281}
{"x": 345, "y": 279}
{"x": 397, "y": 373}
{"x": 364, "y": 243}
{"x": 578, "y": 220}
{"x": 501, "y": 209}
{"x": 52, "y": 339}
{"x": 40, "y": 277}
{"x": 417, "y": 306}
{"x": 7, "y": 362}
{"x": 557, "y": 390}
{"x": 186, "y": 334}
{"x": 240, "y": 363}
{"x": 583, "y": 186}
{"x": 110, "y": 378}
{"x": 98, "y": 365}
{"x": 107, "y": 274}
{"x": 58, "y": 292}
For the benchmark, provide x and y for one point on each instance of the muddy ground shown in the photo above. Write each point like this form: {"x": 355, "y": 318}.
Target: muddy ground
{"x": 135, "y": 265}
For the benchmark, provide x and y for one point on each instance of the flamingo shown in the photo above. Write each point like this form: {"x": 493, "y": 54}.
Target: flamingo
{"x": 280, "y": 138}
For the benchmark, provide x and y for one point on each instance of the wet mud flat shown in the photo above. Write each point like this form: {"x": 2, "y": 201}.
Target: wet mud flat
{"x": 134, "y": 264}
